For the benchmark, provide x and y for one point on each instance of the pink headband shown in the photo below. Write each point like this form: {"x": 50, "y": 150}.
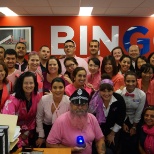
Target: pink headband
{"x": 108, "y": 81}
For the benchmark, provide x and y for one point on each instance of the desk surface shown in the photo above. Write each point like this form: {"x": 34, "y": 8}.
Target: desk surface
{"x": 50, "y": 150}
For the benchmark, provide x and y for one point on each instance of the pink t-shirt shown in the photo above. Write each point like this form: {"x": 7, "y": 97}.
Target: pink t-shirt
{"x": 150, "y": 91}
{"x": 69, "y": 89}
{"x": 118, "y": 81}
{"x": 64, "y": 133}
{"x": 95, "y": 80}
{"x": 81, "y": 63}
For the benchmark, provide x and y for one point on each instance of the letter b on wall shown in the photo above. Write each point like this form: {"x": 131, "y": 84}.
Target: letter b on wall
{"x": 55, "y": 39}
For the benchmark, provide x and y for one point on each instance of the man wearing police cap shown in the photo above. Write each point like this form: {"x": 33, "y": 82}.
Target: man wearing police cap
{"x": 77, "y": 123}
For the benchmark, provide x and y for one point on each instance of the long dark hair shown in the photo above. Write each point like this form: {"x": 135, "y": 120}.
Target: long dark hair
{"x": 5, "y": 80}
{"x": 113, "y": 63}
{"x": 18, "y": 88}
{"x": 76, "y": 70}
{"x": 58, "y": 79}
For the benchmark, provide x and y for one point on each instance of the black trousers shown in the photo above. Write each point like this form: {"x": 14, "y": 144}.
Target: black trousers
{"x": 129, "y": 144}
{"x": 47, "y": 129}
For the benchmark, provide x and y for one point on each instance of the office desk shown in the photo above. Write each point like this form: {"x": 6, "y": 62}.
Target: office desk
{"x": 50, "y": 150}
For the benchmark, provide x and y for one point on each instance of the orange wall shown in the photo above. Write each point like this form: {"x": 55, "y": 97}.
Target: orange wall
{"x": 42, "y": 28}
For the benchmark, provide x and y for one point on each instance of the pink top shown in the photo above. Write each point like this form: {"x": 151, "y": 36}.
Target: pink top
{"x": 95, "y": 80}
{"x": 69, "y": 89}
{"x": 14, "y": 106}
{"x": 44, "y": 114}
{"x": 149, "y": 93}
{"x": 118, "y": 81}
{"x": 64, "y": 133}
{"x": 81, "y": 63}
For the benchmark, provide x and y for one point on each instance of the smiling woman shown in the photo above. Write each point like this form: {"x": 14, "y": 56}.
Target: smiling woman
{"x": 146, "y": 139}
{"x": 109, "y": 66}
{"x": 146, "y": 83}
{"x": 5, "y": 85}
{"x": 70, "y": 64}
{"x": 34, "y": 66}
{"x": 125, "y": 64}
{"x": 109, "y": 109}
{"x": 135, "y": 101}
{"x": 79, "y": 76}
{"x": 24, "y": 104}
{"x": 94, "y": 78}
{"x": 50, "y": 108}
{"x": 54, "y": 69}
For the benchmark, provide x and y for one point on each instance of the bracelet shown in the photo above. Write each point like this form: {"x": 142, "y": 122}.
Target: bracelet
{"x": 134, "y": 127}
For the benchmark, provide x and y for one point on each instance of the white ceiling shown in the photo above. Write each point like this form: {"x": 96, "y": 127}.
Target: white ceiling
{"x": 136, "y": 8}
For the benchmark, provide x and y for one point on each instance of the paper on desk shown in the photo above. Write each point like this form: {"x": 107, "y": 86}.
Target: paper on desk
{"x": 17, "y": 133}
{"x": 11, "y": 121}
{"x": 12, "y": 144}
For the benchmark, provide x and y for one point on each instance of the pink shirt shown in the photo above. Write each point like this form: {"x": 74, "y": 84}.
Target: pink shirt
{"x": 118, "y": 81}
{"x": 14, "y": 106}
{"x": 64, "y": 133}
{"x": 150, "y": 91}
{"x": 69, "y": 89}
{"x": 44, "y": 114}
{"x": 26, "y": 119}
{"x": 81, "y": 63}
{"x": 95, "y": 80}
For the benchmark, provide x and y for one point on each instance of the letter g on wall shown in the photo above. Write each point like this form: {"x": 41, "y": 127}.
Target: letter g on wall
{"x": 144, "y": 41}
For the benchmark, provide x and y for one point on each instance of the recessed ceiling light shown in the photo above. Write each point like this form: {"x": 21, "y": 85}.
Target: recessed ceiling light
{"x": 6, "y": 11}
{"x": 152, "y": 15}
{"x": 85, "y": 11}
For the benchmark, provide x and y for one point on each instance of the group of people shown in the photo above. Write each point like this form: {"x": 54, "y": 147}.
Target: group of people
{"x": 106, "y": 100}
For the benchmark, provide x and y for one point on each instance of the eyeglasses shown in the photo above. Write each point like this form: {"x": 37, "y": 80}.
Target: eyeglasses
{"x": 69, "y": 46}
{"x": 68, "y": 66}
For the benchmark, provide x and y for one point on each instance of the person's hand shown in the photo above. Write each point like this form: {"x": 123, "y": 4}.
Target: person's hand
{"x": 47, "y": 93}
{"x": 125, "y": 128}
{"x": 67, "y": 79}
{"x": 40, "y": 141}
{"x": 90, "y": 85}
{"x": 122, "y": 87}
{"x": 110, "y": 139}
{"x": 77, "y": 149}
{"x": 132, "y": 131}
{"x": 24, "y": 136}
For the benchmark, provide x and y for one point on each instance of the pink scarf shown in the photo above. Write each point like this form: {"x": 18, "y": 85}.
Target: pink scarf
{"x": 149, "y": 141}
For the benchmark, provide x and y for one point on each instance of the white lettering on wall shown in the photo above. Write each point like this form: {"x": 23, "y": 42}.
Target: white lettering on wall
{"x": 97, "y": 34}
{"x": 55, "y": 40}
{"x": 83, "y": 40}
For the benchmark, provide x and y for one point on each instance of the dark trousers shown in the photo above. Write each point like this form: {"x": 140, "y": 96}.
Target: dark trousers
{"x": 129, "y": 144}
{"x": 110, "y": 149}
{"x": 47, "y": 129}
